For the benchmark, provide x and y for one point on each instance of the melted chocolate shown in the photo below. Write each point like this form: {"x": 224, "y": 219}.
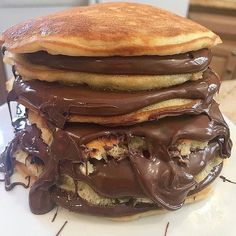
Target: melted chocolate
{"x": 55, "y": 215}
{"x": 140, "y": 65}
{"x": 56, "y": 102}
{"x": 21, "y": 140}
{"x": 161, "y": 176}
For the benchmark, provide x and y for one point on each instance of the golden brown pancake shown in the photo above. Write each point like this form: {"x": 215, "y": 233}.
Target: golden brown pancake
{"x": 151, "y": 112}
{"x": 109, "y": 29}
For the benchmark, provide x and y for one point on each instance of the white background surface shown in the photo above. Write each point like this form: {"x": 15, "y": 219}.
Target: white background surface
{"x": 214, "y": 216}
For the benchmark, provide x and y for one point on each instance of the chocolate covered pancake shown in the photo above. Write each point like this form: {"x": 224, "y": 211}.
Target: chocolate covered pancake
{"x": 60, "y": 103}
{"x": 120, "y": 119}
{"x": 149, "y": 166}
{"x": 30, "y": 71}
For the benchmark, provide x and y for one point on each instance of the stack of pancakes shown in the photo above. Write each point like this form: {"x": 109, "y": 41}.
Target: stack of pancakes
{"x": 120, "y": 118}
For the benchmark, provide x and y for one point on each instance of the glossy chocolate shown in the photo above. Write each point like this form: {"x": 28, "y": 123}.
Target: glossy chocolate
{"x": 161, "y": 176}
{"x": 134, "y": 65}
{"x": 57, "y": 102}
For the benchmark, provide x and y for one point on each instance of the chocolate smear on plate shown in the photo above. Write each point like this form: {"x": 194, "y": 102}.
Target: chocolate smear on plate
{"x": 167, "y": 226}
{"x": 61, "y": 228}
{"x": 227, "y": 180}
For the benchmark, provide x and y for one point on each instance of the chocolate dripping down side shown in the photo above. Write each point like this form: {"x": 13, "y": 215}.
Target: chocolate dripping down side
{"x": 57, "y": 102}
{"x": 167, "y": 185}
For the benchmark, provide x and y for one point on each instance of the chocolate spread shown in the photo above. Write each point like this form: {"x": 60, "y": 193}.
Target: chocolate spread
{"x": 160, "y": 176}
{"x": 131, "y": 65}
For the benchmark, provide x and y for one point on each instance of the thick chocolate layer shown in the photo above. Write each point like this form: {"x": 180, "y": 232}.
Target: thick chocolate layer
{"x": 161, "y": 176}
{"x": 117, "y": 179}
{"x": 56, "y": 102}
{"x": 140, "y": 65}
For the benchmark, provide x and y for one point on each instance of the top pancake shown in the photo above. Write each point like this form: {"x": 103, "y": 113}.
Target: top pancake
{"x": 122, "y": 29}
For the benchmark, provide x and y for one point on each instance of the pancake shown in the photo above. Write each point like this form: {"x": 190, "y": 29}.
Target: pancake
{"x": 26, "y": 170}
{"x": 122, "y": 29}
{"x": 30, "y": 71}
{"x": 61, "y": 103}
{"x": 190, "y": 62}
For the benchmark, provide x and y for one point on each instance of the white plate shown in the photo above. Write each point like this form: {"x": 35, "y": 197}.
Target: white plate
{"x": 213, "y": 216}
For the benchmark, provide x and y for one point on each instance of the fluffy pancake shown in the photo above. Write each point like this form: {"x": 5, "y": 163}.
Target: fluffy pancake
{"x": 109, "y": 29}
{"x": 102, "y": 81}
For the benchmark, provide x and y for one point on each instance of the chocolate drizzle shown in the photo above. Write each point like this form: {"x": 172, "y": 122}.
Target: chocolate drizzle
{"x": 166, "y": 229}
{"x": 57, "y": 102}
{"x": 160, "y": 176}
{"x": 140, "y": 65}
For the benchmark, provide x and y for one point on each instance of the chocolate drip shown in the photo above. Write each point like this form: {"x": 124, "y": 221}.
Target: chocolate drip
{"x": 140, "y": 65}
{"x": 161, "y": 176}
{"x": 7, "y": 164}
{"x": 209, "y": 179}
{"x": 56, "y": 102}
{"x": 166, "y": 229}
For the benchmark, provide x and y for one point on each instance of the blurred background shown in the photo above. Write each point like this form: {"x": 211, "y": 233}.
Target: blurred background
{"x": 217, "y": 15}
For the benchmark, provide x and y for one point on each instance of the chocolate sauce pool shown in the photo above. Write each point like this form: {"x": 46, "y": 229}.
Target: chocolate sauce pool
{"x": 190, "y": 62}
{"x": 161, "y": 177}
{"x": 57, "y": 102}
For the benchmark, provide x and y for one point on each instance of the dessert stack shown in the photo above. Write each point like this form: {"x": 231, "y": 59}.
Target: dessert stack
{"x": 120, "y": 114}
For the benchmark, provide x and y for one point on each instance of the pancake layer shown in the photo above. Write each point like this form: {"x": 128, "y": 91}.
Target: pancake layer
{"x": 122, "y": 29}
{"x": 61, "y": 103}
{"x": 31, "y": 71}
